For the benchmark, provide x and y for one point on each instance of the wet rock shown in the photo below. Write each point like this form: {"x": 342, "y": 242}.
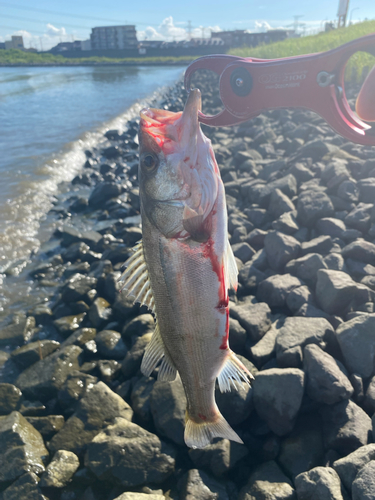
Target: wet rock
{"x": 129, "y": 455}
{"x": 197, "y": 484}
{"x": 60, "y": 470}
{"x": 74, "y": 388}
{"x": 254, "y": 318}
{"x": 103, "y": 192}
{"x": 109, "y": 369}
{"x": 306, "y": 268}
{"x": 313, "y": 205}
{"x": 47, "y": 426}
{"x": 10, "y": 398}
{"x": 18, "y": 332}
{"x": 133, "y": 358}
{"x": 168, "y": 407}
{"x": 76, "y": 251}
{"x": 68, "y": 324}
{"x": 295, "y": 334}
{"x": 322, "y": 483}
{"x": 219, "y": 457}
{"x": 144, "y": 323}
{"x": 346, "y": 426}
{"x": 357, "y": 339}
{"x": 110, "y": 344}
{"x": 326, "y": 380}
{"x": 280, "y": 249}
{"x": 349, "y": 466}
{"x": 140, "y": 496}
{"x": 24, "y": 487}
{"x": 31, "y": 353}
{"x": 45, "y": 378}
{"x": 77, "y": 288}
{"x": 98, "y": 407}
{"x": 123, "y": 308}
{"x": 268, "y": 482}
{"x": 22, "y": 448}
{"x": 334, "y": 290}
{"x": 363, "y": 486}
{"x": 140, "y": 398}
{"x": 100, "y": 312}
{"x": 275, "y": 289}
{"x": 277, "y": 396}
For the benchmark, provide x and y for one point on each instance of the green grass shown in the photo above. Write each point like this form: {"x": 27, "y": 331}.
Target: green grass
{"x": 358, "y": 65}
{"x": 18, "y": 57}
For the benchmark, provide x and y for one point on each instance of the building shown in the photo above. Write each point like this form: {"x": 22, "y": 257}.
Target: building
{"x": 2, "y": 45}
{"x": 113, "y": 37}
{"x": 245, "y": 38}
{"x": 66, "y": 46}
{"x": 15, "y": 43}
{"x": 86, "y": 44}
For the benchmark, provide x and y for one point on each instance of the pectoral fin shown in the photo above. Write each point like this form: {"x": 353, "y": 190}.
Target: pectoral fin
{"x": 233, "y": 370}
{"x": 154, "y": 353}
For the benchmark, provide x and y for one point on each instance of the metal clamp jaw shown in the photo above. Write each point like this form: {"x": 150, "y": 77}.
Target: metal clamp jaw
{"x": 315, "y": 82}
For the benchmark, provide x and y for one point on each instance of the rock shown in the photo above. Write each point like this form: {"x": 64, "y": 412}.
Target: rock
{"x": 295, "y": 334}
{"x": 47, "y": 426}
{"x": 330, "y": 226}
{"x": 369, "y": 403}
{"x": 321, "y": 245}
{"x": 303, "y": 449}
{"x": 367, "y": 190}
{"x": 219, "y": 457}
{"x": 21, "y": 448}
{"x": 45, "y": 378}
{"x": 68, "y": 324}
{"x": 286, "y": 223}
{"x": 306, "y": 268}
{"x": 275, "y": 289}
{"x": 334, "y": 290}
{"x": 361, "y": 250}
{"x": 78, "y": 287}
{"x": 346, "y": 426}
{"x": 277, "y": 396}
{"x": 140, "y": 398}
{"x": 25, "y": 487}
{"x": 243, "y": 251}
{"x": 103, "y": 192}
{"x": 110, "y": 344}
{"x": 168, "y": 408}
{"x": 10, "y": 398}
{"x": 197, "y": 484}
{"x": 254, "y": 318}
{"x": 144, "y": 323}
{"x": 298, "y": 297}
{"x": 268, "y": 482}
{"x": 133, "y": 358}
{"x": 359, "y": 218}
{"x": 335, "y": 261}
{"x": 357, "y": 340}
{"x": 124, "y": 308}
{"x": 126, "y": 454}
{"x": 316, "y": 149}
{"x": 109, "y": 369}
{"x": 349, "y": 466}
{"x": 140, "y": 496}
{"x": 363, "y": 487}
{"x": 264, "y": 350}
{"x": 250, "y": 276}
{"x": 93, "y": 412}
{"x": 348, "y": 191}
{"x": 18, "y": 332}
{"x": 279, "y": 204}
{"x": 320, "y": 482}
{"x": 237, "y": 336}
{"x": 326, "y": 381}
{"x": 280, "y": 249}
{"x": 313, "y": 205}
{"x": 260, "y": 193}
{"x": 60, "y": 470}
{"x": 29, "y": 354}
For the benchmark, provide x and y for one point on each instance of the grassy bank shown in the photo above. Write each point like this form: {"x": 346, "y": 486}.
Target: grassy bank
{"x": 357, "y": 66}
{"x": 16, "y": 57}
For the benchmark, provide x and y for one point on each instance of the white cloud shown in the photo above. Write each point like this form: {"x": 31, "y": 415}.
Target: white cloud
{"x": 262, "y": 26}
{"x": 51, "y": 37}
{"x": 53, "y": 31}
{"x": 169, "y": 31}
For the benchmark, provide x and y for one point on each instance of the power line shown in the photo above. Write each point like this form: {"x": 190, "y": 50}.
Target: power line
{"x": 42, "y": 22}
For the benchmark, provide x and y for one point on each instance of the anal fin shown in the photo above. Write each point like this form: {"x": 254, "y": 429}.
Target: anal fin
{"x": 233, "y": 370}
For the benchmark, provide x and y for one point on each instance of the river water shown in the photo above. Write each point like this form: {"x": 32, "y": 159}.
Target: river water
{"x": 48, "y": 117}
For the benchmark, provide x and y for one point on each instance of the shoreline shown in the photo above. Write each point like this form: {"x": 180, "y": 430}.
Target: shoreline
{"x": 165, "y": 63}
{"x": 302, "y": 228}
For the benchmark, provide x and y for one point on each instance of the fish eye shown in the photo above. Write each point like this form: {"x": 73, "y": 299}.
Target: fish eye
{"x": 149, "y": 162}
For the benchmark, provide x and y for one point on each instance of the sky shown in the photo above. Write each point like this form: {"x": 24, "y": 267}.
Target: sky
{"x": 44, "y": 23}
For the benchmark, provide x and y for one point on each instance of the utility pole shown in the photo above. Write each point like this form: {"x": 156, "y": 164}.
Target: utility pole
{"x": 189, "y": 30}
{"x": 41, "y": 43}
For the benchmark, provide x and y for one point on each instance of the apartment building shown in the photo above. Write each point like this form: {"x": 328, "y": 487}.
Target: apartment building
{"x": 113, "y": 37}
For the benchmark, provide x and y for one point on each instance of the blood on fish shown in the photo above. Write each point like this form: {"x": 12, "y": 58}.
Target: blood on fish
{"x": 202, "y": 417}
{"x": 187, "y": 159}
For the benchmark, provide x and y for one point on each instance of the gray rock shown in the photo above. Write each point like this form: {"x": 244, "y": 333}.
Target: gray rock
{"x": 44, "y": 379}
{"x": 346, "y": 426}
{"x": 320, "y": 482}
{"x": 369, "y": 403}
{"x": 286, "y": 223}
{"x": 359, "y": 218}
{"x": 361, "y": 250}
{"x": 98, "y": 407}
{"x": 77, "y": 288}
{"x": 68, "y": 324}
{"x": 313, "y": 205}
{"x": 243, "y": 251}
{"x": 10, "y": 398}
{"x": 298, "y": 297}
{"x": 306, "y": 268}
{"x": 265, "y": 349}
{"x": 348, "y": 191}
{"x": 316, "y": 149}
{"x": 80, "y": 337}
{"x": 219, "y": 457}
{"x": 109, "y": 369}
{"x": 25, "y": 487}
{"x": 22, "y": 448}
{"x": 48, "y": 425}
{"x": 280, "y": 249}
{"x": 237, "y": 336}
{"x": 275, "y": 289}
{"x": 277, "y": 397}
{"x": 128, "y": 455}
{"x": 18, "y": 332}
{"x": 260, "y": 193}
{"x": 322, "y": 245}
{"x": 331, "y": 227}
{"x": 349, "y": 466}
{"x": 74, "y": 388}
{"x": 124, "y": 307}
{"x": 363, "y": 487}
{"x": 367, "y": 190}
{"x": 197, "y": 484}
{"x": 168, "y": 407}
{"x": 140, "y": 398}
{"x": 29, "y": 354}
{"x": 100, "y": 312}
{"x": 110, "y": 344}
{"x": 295, "y": 334}
{"x": 60, "y": 470}
{"x": 250, "y": 276}
{"x": 357, "y": 342}
{"x": 144, "y": 323}
{"x": 133, "y": 358}
{"x": 140, "y": 496}
{"x": 254, "y": 318}
{"x": 103, "y": 192}
{"x": 303, "y": 449}
{"x": 310, "y": 311}
{"x": 268, "y": 482}
{"x": 279, "y": 204}
{"x": 335, "y": 261}
{"x": 326, "y": 382}
{"x": 334, "y": 290}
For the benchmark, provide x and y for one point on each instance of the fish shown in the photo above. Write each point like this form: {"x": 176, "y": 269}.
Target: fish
{"x": 184, "y": 265}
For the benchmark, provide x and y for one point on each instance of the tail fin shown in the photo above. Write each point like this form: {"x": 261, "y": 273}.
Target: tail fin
{"x": 199, "y": 435}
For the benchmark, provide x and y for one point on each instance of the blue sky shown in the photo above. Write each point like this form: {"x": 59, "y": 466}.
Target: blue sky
{"x": 47, "y": 22}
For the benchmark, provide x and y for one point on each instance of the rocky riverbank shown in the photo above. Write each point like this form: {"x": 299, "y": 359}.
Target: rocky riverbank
{"x": 80, "y": 422}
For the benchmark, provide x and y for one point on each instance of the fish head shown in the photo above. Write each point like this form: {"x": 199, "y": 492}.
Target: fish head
{"x": 178, "y": 173}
